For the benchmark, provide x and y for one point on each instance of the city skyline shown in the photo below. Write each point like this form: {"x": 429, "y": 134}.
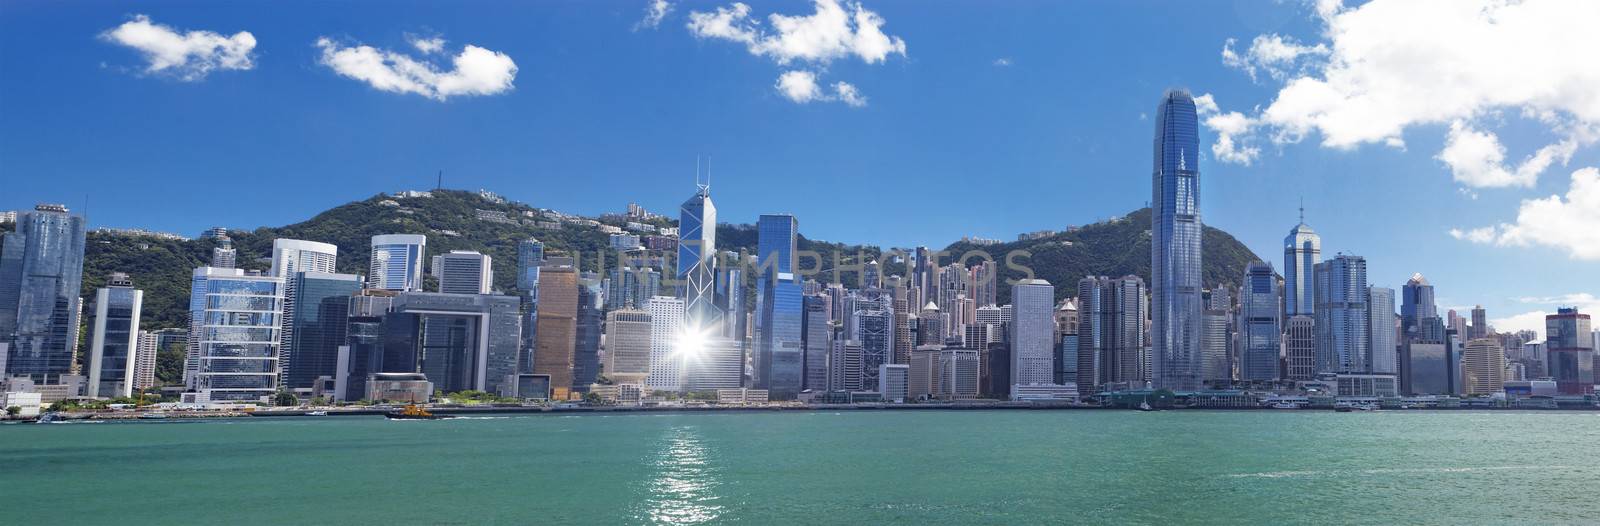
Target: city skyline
{"x": 1400, "y": 223}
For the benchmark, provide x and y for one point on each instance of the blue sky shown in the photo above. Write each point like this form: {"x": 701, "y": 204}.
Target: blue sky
{"x": 959, "y": 118}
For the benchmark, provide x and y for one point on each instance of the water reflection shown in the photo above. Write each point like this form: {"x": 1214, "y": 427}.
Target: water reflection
{"x": 683, "y": 487}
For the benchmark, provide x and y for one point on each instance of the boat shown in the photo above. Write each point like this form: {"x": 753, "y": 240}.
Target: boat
{"x": 1285, "y": 405}
{"x": 156, "y": 415}
{"x": 51, "y": 417}
{"x": 414, "y": 412}
{"x": 317, "y": 413}
{"x": 1144, "y": 405}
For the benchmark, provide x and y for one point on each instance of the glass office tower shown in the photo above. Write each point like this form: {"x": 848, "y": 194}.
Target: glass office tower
{"x": 235, "y": 333}
{"x": 1175, "y": 245}
{"x": 397, "y": 261}
{"x": 779, "y": 305}
{"x": 1260, "y": 317}
{"x": 41, "y": 272}
{"x": 697, "y": 248}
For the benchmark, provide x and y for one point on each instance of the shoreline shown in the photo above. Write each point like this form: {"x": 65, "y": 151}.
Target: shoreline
{"x": 503, "y": 410}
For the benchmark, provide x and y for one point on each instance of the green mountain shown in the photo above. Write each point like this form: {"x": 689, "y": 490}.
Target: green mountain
{"x": 457, "y": 220}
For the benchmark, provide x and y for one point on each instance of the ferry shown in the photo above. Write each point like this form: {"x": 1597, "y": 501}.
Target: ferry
{"x": 156, "y": 415}
{"x": 317, "y": 413}
{"x": 1285, "y": 405}
{"x": 414, "y": 412}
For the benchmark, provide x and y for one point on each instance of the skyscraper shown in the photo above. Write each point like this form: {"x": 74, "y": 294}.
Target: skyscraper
{"x": 1111, "y": 333}
{"x": 874, "y": 332}
{"x": 464, "y": 272}
{"x": 1261, "y": 323}
{"x": 779, "y": 360}
{"x": 1033, "y": 329}
{"x": 1175, "y": 245}
{"x": 1381, "y": 345}
{"x": 113, "y": 338}
{"x": 397, "y": 261}
{"x": 666, "y": 328}
{"x": 628, "y": 346}
{"x": 224, "y": 255}
{"x": 530, "y": 256}
{"x": 1341, "y": 314}
{"x": 316, "y": 327}
{"x": 1571, "y": 357}
{"x": 1480, "y": 324}
{"x": 1302, "y": 250}
{"x": 586, "y": 340}
{"x": 1417, "y": 306}
{"x": 41, "y": 272}
{"x": 236, "y": 320}
{"x": 294, "y": 255}
{"x": 697, "y": 272}
{"x": 818, "y": 334}
{"x": 1483, "y": 367}
{"x": 1299, "y": 348}
{"x": 556, "y": 345}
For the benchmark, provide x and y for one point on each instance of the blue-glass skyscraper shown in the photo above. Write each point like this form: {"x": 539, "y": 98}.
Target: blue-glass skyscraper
{"x": 697, "y": 249}
{"x": 41, "y": 270}
{"x": 1260, "y": 323}
{"x": 1175, "y": 245}
{"x": 1342, "y": 315}
{"x": 530, "y": 255}
{"x": 779, "y": 305}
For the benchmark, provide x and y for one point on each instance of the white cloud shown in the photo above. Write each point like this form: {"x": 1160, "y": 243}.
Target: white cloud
{"x": 1232, "y": 130}
{"x": 427, "y": 46}
{"x": 848, "y": 94}
{"x": 1276, "y": 55}
{"x": 1477, "y": 159}
{"x": 188, "y": 56}
{"x": 1390, "y": 65}
{"x": 1002, "y": 61}
{"x": 478, "y": 71}
{"x": 653, "y": 15}
{"x": 1534, "y": 320}
{"x": 801, "y": 87}
{"x": 1570, "y": 224}
{"x": 833, "y": 31}
{"x": 1527, "y": 321}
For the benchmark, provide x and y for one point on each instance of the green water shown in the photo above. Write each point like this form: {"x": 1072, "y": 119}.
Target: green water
{"x": 903, "y": 467}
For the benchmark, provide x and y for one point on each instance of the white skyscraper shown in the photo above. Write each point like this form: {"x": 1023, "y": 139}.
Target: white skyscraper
{"x": 463, "y": 272}
{"x": 114, "y": 338}
{"x": 1302, "y": 250}
{"x": 1033, "y": 328}
{"x": 666, "y": 327}
{"x": 293, "y": 255}
{"x": 397, "y": 262}
{"x": 1381, "y": 331}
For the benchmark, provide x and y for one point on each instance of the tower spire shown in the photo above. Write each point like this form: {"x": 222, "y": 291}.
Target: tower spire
{"x": 1302, "y": 210}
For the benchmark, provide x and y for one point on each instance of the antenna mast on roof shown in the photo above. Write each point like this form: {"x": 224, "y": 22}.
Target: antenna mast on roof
{"x": 440, "y": 184}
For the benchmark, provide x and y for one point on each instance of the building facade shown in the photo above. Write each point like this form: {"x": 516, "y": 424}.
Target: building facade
{"x": 464, "y": 272}
{"x": 1260, "y": 324}
{"x": 235, "y": 334}
{"x": 41, "y": 274}
{"x": 396, "y": 262}
{"x": 1176, "y": 229}
{"x": 114, "y": 338}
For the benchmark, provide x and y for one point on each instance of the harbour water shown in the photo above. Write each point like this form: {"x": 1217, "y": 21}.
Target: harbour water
{"x": 902, "y": 467}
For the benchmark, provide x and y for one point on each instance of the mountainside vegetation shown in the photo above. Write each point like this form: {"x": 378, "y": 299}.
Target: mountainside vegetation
{"x": 451, "y": 220}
